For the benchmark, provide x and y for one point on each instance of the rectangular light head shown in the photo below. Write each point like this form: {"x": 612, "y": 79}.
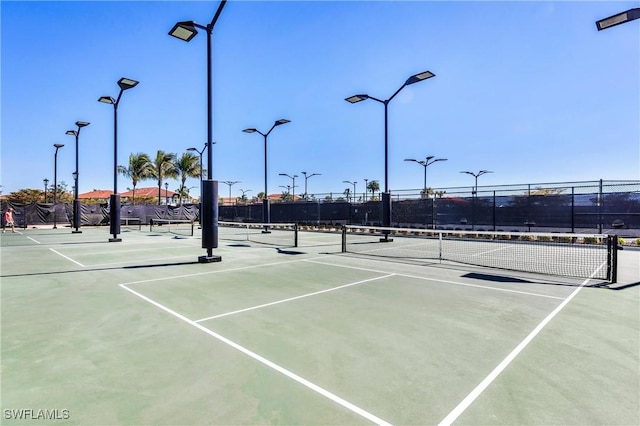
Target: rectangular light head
{"x": 617, "y": 19}
{"x": 71, "y": 132}
{"x": 58, "y": 145}
{"x": 185, "y": 30}
{"x": 249, "y": 130}
{"x": 356, "y": 98}
{"x": 282, "y": 121}
{"x": 107, "y": 100}
{"x": 419, "y": 77}
{"x": 127, "y": 83}
{"x": 82, "y": 123}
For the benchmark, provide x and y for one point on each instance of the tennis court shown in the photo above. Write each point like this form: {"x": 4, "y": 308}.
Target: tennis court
{"x": 286, "y": 332}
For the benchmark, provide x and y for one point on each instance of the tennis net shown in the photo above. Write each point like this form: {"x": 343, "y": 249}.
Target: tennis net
{"x": 570, "y": 255}
{"x": 276, "y": 234}
{"x": 131, "y": 223}
{"x": 171, "y": 226}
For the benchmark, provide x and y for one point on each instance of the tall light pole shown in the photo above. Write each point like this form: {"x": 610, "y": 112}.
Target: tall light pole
{"x": 354, "y": 187}
{"x": 76, "y": 200}
{"x": 230, "y": 183}
{"x": 425, "y": 163}
{"x": 366, "y": 181}
{"x": 186, "y": 31}
{"x": 244, "y": 194}
{"x": 201, "y": 172}
{"x": 618, "y": 18}
{"x": 475, "y": 193}
{"x": 306, "y": 177}
{"x": 293, "y": 184}
{"x": 386, "y": 196}
{"x": 266, "y": 212}
{"x": 46, "y": 188}
{"x": 57, "y": 146}
{"x": 114, "y": 199}
{"x": 201, "y": 168}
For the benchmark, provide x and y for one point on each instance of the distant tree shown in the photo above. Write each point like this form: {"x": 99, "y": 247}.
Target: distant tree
{"x": 347, "y": 192}
{"x": 26, "y": 196}
{"x": 260, "y": 196}
{"x": 187, "y": 166}
{"x": 140, "y": 168}
{"x": 373, "y": 186}
{"x": 164, "y": 167}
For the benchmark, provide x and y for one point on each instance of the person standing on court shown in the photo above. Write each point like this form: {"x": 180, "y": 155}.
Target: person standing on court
{"x": 8, "y": 220}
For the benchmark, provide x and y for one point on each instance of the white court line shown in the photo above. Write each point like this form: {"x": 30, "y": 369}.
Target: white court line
{"x": 453, "y": 415}
{"x": 37, "y": 242}
{"x": 66, "y": 257}
{"x": 440, "y": 281}
{"x": 294, "y": 298}
{"x": 218, "y": 271}
{"x": 489, "y": 251}
{"x": 270, "y": 364}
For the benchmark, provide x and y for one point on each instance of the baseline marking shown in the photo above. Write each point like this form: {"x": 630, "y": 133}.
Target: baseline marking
{"x": 453, "y": 415}
{"x": 66, "y": 257}
{"x": 294, "y": 298}
{"x": 441, "y": 281}
{"x": 270, "y": 364}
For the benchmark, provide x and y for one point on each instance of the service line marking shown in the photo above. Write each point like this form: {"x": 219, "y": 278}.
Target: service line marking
{"x": 35, "y": 241}
{"x": 355, "y": 409}
{"x": 294, "y": 298}
{"x": 196, "y": 274}
{"x": 441, "y": 281}
{"x": 475, "y": 393}
{"x": 66, "y": 257}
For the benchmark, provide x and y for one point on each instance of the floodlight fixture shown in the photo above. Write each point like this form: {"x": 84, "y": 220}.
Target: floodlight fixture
{"x": 356, "y": 98}
{"x": 618, "y": 18}
{"x": 250, "y": 130}
{"x": 419, "y": 77}
{"x": 107, "y": 100}
{"x": 127, "y": 83}
{"x": 184, "y": 30}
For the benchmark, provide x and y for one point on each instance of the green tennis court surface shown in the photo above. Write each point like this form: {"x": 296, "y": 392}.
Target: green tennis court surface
{"x": 139, "y": 332}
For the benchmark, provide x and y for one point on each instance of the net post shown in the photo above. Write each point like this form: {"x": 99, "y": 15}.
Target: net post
{"x": 295, "y": 234}
{"x": 612, "y": 258}
{"x": 344, "y": 239}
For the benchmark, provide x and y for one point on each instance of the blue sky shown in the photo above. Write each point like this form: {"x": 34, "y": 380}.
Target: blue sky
{"x": 529, "y": 90}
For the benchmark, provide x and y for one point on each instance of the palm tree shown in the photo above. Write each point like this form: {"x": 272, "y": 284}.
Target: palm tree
{"x": 187, "y": 166}
{"x": 164, "y": 167}
{"x": 139, "y": 168}
{"x": 347, "y": 192}
{"x": 373, "y": 186}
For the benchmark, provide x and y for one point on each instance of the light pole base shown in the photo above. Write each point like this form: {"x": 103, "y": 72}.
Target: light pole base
{"x": 386, "y": 240}
{"x": 266, "y": 231}
{"x": 209, "y": 259}
{"x": 76, "y": 232}
{"x": 115, "y": 240}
